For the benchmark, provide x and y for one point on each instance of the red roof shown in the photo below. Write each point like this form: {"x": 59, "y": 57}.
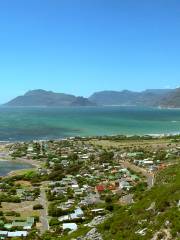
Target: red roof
{"x": 100, "y": 188}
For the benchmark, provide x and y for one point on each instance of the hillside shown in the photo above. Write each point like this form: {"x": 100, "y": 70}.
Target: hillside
{"x": 172, "y": 99}
{"x": 155, "y": 215}
{"x": 48, "y": 98}
{"x": 146, "y": 98}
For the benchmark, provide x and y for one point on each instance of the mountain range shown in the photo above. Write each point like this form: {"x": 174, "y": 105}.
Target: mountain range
{"x": 150, "y": 97}
{"x": 48, "y": 98}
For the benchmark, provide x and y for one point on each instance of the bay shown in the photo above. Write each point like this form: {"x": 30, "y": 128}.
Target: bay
{"x": 21, "y": 124}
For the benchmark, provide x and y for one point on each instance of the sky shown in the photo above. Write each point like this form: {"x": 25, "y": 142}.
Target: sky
{"x": 84, "y": 46}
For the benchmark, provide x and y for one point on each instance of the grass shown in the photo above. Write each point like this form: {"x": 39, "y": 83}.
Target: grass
{"x": 133, "y": 143}
{"x": 80, "y": 232}
{"x": 20, "y": 172}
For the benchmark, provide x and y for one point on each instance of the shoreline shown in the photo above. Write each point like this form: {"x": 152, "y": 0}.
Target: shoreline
{"x": 35, "y": 165}
{"x": 158, "y": 135}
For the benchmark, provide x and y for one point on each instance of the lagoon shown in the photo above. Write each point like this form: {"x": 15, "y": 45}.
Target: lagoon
{"x": 9, "y": 166}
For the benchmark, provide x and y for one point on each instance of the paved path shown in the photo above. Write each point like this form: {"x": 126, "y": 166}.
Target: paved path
{"x": 150, "y": 181}
{"x": 44, "y": 211}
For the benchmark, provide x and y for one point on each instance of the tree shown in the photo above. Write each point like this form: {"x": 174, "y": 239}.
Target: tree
{"x": 38, "y": 207}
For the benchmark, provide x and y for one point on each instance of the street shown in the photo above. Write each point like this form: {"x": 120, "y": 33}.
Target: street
{"x": 44, "y": 211}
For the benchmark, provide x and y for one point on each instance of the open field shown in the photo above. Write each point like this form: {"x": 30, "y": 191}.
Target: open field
{"x": 24, "y": 183}
{"x": 153, "y": 143}
{"x": 25, "y": 209}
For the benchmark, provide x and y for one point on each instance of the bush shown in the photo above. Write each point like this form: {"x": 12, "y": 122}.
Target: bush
{"x": 37, "y": 207}
{"x": 54, "y": 222}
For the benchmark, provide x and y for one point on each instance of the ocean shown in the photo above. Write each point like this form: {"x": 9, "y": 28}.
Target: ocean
{"x": 22, "y": 124}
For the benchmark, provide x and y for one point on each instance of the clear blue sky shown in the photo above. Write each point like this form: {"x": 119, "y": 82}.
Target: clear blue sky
{"x": 82, "y": 46}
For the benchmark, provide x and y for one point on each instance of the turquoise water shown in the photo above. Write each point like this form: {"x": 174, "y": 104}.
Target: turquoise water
{"x": 50, "y": 123}
{"x": 8, "y": 166}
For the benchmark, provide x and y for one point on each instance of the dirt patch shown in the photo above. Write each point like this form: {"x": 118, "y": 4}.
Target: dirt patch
{"x": 24, "y": 183}
{"x": 24, "y": 208}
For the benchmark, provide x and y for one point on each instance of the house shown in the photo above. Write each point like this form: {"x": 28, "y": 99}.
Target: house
{"x": 75, "y": 186}
{"x": 63, "y": 218}
{"x": 65, "y": 163}
{"x": 8, "y": 226}
{"x": 78, "y": 192}
{"x": 3, "y": 234}
{"x": 25, "y": 225}
{"x": 29, "y": 223}
{"x": 17, "y": 234}
{"x": 78, "y": 213}
{"x": 124, "y": 185}
{"x": 147, "y": 162}
{"x": 58, "y": 190}
{"x": 67, "y": 205}
{"x": 90, "y": 200}
{"x": 100, "y": 188}
{"x": 30, "y": 149}
{"x": 72, "y": 226}
{"x": 97, "y": 211}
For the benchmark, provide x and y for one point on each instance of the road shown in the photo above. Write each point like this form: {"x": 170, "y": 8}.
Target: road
{"x": 149, "y": 176}
{"x": 44, "y": 211}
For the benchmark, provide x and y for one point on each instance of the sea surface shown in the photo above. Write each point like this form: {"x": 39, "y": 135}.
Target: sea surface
{"x": 52, "y": 123}
{"x": 8, "y": 166}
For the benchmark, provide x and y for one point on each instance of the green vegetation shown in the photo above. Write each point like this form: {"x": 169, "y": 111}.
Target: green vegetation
{"x": 106, "y": 183}
{"x": 37, "y": 207}
{"x": 156, "y": 210}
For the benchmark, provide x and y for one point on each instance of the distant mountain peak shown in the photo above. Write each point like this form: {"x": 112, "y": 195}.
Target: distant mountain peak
{"x": 40, "y": 97}
{"x": 36, "y": 91}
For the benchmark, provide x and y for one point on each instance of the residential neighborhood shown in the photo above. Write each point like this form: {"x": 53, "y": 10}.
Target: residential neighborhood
{"x": 76, "y": 183}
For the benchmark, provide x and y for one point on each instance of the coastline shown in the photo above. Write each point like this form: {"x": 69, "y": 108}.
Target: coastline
{"x": 35, "y": 165}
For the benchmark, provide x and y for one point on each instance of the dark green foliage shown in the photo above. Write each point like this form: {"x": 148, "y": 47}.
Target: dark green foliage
{"x": 106, "y": 156}
{"x": 54, "y": 222}
{"x": 7, "y": 198}
{"x": 37, "y": 207}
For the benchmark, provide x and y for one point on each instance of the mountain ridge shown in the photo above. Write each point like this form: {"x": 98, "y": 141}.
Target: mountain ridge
{"x": 150, "y": 97}
{"x": 41, "y": 97}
